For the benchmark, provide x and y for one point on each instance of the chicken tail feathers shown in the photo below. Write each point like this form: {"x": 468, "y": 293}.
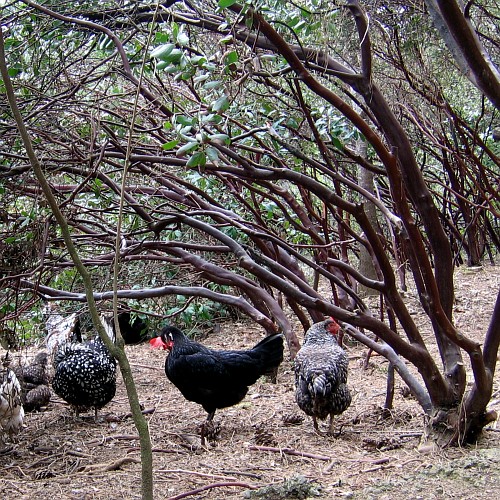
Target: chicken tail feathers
{"x": 320, "y": 385}
{"x": 270, "y": 351}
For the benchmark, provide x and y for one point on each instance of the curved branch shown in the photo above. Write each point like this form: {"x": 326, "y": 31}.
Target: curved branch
{"x": 364, "y": 38}
{"x": 119, "y": 47}
{"x": 387, "y": 352}
{"x": 466, "y": 48}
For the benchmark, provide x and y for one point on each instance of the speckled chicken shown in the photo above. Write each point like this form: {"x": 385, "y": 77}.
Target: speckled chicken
{"x": 11, "y": 408}
{"x": 85, "y": 373}
{"x": 321, "y": 374}
{"x": 34, "y": 379}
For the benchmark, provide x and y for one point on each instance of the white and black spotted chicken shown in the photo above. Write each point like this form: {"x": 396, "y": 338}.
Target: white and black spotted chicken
{"x": 85, "y": 374}
{"x": 321, "y": 374}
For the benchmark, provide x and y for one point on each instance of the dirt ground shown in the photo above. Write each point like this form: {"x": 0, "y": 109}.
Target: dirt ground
{"x": 265, "y": 448}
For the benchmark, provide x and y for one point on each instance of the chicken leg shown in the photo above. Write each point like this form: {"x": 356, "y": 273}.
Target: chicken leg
{"x": 206, "y": 427}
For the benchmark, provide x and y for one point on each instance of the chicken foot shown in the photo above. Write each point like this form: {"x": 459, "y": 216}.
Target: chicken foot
{"x": 331, "y": 428}
{"x": 207, "y": 427}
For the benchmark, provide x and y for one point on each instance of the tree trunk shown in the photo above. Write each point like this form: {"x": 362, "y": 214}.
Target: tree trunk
{"x": 366, "y": 267}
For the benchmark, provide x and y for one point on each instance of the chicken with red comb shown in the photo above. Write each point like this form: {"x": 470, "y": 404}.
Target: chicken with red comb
{"x": 216, "y": 379}
{"x": 321, "y": 374}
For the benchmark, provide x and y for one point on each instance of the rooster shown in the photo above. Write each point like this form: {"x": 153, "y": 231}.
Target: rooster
{"x": 85, "y": 373}
{"x": 216, "y": 379}
{"x": 11, "y": 408}
{"x": 321, "y": 374}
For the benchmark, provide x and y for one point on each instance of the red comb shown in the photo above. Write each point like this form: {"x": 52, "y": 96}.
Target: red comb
{"x": 157, "y": 343}
{"x": 333, "y": 327}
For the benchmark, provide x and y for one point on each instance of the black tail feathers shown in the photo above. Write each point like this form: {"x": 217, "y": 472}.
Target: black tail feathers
{"x": 270, "y": 350}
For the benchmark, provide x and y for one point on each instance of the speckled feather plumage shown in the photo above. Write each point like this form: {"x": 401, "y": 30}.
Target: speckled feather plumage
{"x": 321, "y": 374}
{"x": 11, "y": 409}
{"x": 85, "y": 374}
{"x": 37, "y": 373}
{"x": 34, "y": 379}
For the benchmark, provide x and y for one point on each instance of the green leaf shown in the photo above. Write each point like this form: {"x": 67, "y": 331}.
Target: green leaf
{"x": 174, "y": 56}
{"x": 220, "y": 137}
{"x": 198, "y": 60}
{"x": 185, "y": 75}
{"x": 11, "y": 42}
{"x": 186, "y": 148}
{"x": 212, "y": 85}
{"x": 221, "y": 104}
{"x": 210, "y": 66}
{"x": 201, "y": 78}
{"x": 171, "y": 68}
{"x": 182, "y": 39}
{"x": 224, "y": 4}
{"x": 169, "y": 145}
{"x": 175, "y": 29}
{"x": 13, "y": 72}
{"x": 163, "y": 65}
{"x": 198, "y": 159}
{"x": 161, "y": 37}
{"x": 163, "y": 51}
{"x": 232, "y": 57}
{"x": 212, "y": 154}
{"x": 208, "y": 118}
{"x": 217, "y": 119}
{"x": 337, "y": 143}
{"x": 184, "y": 120}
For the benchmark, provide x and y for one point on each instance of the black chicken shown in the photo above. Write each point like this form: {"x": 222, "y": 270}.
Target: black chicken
{"x": 216, "y": 379}
{"x": 132, "y": 328}
{"x": 321, "y": 374}
{"x": 85, "y": 373}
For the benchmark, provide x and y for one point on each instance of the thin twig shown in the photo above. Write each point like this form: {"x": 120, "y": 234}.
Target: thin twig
{"x": 105, "y": 439}
{"x": 195, "y": 473}
{"x": 209, "y": 487}
{"x": 290, "y": 451}
{"x": 44, "y": 459}
{"x": 139, "y": 365}
{"x": 157, "y": 450}
{"x": 116, "y": 465}
{"x": 239, "y": 473}
{"x": 78, "y": 454}
{"x": 373, "y": 461}
{"x": 129, "y": 415}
